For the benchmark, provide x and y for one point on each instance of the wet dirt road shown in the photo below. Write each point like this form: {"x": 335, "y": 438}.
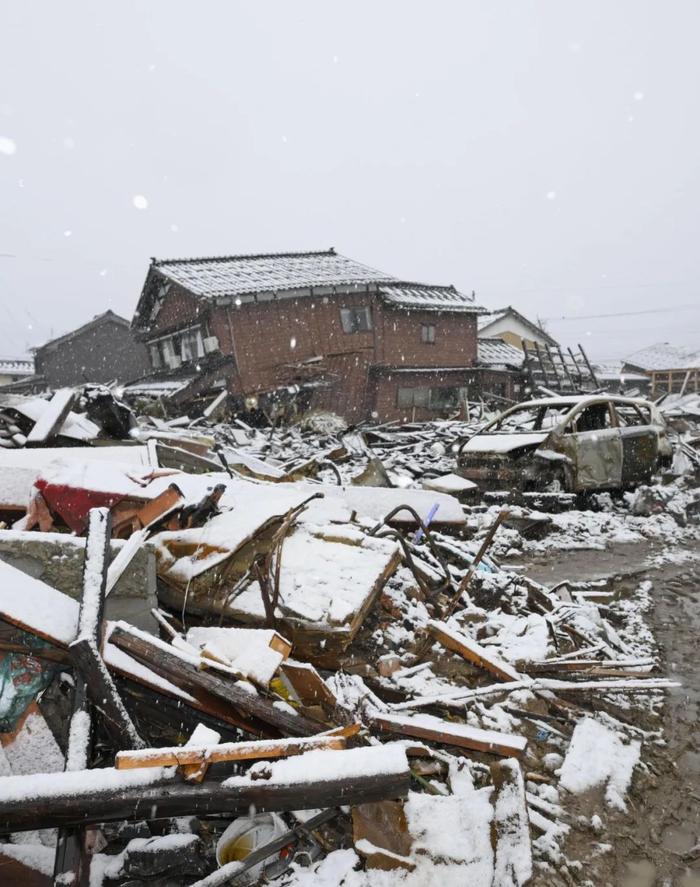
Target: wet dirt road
{"x": 658, "y": 843}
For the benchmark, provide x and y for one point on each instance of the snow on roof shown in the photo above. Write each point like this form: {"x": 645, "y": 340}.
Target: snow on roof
{"x": 16, "y": 366}
{"x": 612, "y": 369}
{"x": 491, "y": 317}
{"x": 235, "y": 275}
{"x": 430, "y": 298}
{"x": 280, "y": 272}
{"x": 496, "y": 351}
{"x": 158, "y": 387}
{"x": 663, "y": 356}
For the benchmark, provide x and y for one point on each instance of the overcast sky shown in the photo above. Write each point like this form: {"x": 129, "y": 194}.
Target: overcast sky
{"x": 544, "y": 154}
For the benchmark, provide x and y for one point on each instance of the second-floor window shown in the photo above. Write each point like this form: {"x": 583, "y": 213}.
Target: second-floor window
{"x": 427, "y": 333}
{"x": 356, "y": 320}
{"x": 171, "y": 351}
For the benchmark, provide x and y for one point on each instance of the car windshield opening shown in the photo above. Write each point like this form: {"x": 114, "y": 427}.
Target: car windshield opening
{"x": 538, "y": 417}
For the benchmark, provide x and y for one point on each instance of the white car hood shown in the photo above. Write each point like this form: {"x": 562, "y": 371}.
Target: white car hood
{"x": 503, "y": 443}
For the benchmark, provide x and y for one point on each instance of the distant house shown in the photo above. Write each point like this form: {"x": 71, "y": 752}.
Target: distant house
{"x": 102, "y": 350}
{"x": 323, "y": 328}
{"x": 614, "y": 378}
{"x": 14, "y": 369}
{"x": 513, "y": 327}
{"x": 670, "y": 368}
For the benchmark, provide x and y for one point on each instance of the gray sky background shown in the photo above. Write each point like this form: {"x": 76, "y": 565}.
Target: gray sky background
{"x": 545, "y": 154}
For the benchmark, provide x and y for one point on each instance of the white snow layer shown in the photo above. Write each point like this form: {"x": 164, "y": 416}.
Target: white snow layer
{"x": 597, "y": 756}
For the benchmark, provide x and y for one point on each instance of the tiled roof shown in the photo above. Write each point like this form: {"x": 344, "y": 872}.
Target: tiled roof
{"x": 107, "y": 316}
{"x": 663, "y": 356}
{"x": 16, "y": 366}
{"x": 236, "y": 275}
{"x": 427, "y": 298}
{"x": 496, "y": 351}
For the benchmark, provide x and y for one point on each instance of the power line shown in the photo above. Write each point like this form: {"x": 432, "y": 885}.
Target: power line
{"x": 688, "y": 307}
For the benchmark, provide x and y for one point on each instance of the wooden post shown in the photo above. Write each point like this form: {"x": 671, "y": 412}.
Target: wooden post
{"x": 84, "y": 651}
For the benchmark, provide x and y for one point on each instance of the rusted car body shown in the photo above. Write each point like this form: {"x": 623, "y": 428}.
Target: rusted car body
{"x": 568, "y": 444}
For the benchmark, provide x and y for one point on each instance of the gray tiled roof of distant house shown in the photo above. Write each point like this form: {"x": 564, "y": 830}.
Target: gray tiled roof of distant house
{"x": 663, "y": 356}
{"x": 494, "y": 352}
{"x": 237, "y": 275}
{"x": 422, "y": 297}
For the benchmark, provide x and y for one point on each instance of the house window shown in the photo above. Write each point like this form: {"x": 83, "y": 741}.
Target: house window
{"x": 171, "y": 351}
{"x": 444, "y": 398}
{"x": 356, "y": 320}
{"x": 438, "y": 399}
{"x": 413, "y": 397}
{"x": 427, "y": 333}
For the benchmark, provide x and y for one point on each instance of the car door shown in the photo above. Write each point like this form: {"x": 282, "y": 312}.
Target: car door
{"x": 640, "y": 443}
{"x": 597, "y": 448}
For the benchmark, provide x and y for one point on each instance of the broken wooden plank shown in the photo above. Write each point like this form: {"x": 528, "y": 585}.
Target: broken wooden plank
{"x": 459, "y": 698}
{"x": 53, "y": 416}
{"x": 201, "y": 736}
{"x": 472, "y": 651}
{"x": 318, "y": 779}
{"x": 185, "y": 671}
{"x": 227, "y": 751}
{"x": 450, "y": 733}
{"x": 380, "y": 835}
{"x": 307, "y": 683}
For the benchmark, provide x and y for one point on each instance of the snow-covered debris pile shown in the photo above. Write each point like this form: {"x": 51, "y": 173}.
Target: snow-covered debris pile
{"x": 350, "y": 659}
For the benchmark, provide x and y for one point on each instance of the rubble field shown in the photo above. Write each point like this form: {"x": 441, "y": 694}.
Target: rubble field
{"x": 318, "y": 655}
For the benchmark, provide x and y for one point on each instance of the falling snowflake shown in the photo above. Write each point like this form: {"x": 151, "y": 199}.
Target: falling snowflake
{"x": 551, "y": 195}
{"x": 103, "y": 272}
{"x": 139, "y": 201}
{"x": 638, "y": 96}
{"x": 174, "y": 228}
{"x": 67, "y": 232}
{"x": 238, "y": 302}
{"x": 293, "y": 342}
{"x": 7, "y": 145}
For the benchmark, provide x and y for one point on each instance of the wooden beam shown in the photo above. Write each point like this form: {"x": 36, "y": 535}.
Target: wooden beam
{"x": 330, "y": 779}
{"x": 70, "y": 861}
{"x": 472, "y": 652}
{"x": 186, "y": 755}
{"x": 451, "y": 733}
{"x": 183, "y": 672}
{"x": 84, "y": 651}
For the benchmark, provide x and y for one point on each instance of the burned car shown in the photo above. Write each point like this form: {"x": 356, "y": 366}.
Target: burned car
{"x": 568, "y": 444}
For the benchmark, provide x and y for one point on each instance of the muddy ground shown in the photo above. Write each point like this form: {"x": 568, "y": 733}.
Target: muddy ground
{"x": 658, "y": 841}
